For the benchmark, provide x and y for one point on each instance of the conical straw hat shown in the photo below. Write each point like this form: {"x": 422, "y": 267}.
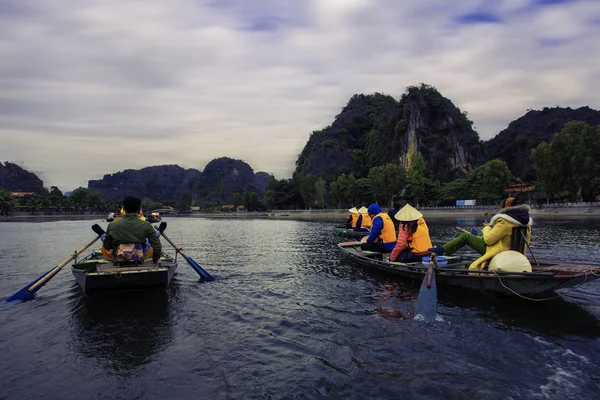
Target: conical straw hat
{"x": 408, "y": 213}
{"x": 363, "y": 210}
{"x": 353, "y": 210}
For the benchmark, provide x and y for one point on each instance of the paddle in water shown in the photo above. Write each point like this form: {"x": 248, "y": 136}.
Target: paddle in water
{"x": 427, "y": 300}
{"x": 29, "y": 291}
{"x": 190, "y": 261}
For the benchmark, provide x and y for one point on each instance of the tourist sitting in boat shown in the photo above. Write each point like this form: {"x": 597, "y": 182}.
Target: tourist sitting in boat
{"x": 496, "y": 235}
{"x": 413, "y": 236}
{"x": 126, "y": 238}
{"x": 363, "y": 222}
{"x": 383, "y": 236}
{"x": 352, "y": 218}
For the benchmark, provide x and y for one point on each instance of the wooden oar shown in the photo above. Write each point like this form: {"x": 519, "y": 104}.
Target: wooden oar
{"x": 29, "y": 291}
{"x": 190, "y": 261}
{"x": 427, "y": 300}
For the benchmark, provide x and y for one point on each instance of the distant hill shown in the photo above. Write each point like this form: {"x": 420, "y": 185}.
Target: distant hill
{"x": 261, "y": 179}
{"x": 220, "y": 179}
{"x": 16, "y": 179}
{"x": 514, "y": 143}
{"x": 159, "y": 183}
{"x": 342, "y": 147}
{"x": 373, "y": 130}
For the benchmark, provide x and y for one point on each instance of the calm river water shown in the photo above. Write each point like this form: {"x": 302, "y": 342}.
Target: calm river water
{"x": 288, "y": 318}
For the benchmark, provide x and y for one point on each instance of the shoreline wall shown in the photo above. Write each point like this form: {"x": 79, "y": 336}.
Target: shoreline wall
{"x": 553, "y": 211}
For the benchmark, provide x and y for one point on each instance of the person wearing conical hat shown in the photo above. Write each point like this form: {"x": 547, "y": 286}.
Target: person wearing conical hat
{"x": 363, "y": 223}
{"x": 352, "y": 218}
{"x": 382, "y": 237}
{"x": 413, "y": 236}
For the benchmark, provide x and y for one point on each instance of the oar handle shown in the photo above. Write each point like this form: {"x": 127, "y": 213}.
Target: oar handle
{"x": 61, "y": 265}
{"x": 461, "y": 229}
{"x": 178, "y": 250}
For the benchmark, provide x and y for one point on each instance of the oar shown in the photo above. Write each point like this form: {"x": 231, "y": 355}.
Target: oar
{"x": 427, "y": 300}
{"x": 190, "y": 261}
{"x": 28, "y": 291}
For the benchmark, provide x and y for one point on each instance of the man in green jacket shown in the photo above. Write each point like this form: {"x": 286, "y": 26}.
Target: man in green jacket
{"x": 132, "y": 230}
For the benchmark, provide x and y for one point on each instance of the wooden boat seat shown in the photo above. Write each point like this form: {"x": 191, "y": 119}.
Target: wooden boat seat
{"x": 114, "y": 268}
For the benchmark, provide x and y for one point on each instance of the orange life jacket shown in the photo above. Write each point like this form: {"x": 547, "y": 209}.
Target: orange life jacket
{"x": 388, "y": 233}
{"x": 366, "y": 221}
{"x": 419, "y": 240}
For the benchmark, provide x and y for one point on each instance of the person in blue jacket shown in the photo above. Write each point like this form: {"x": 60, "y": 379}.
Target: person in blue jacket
{"x": 383, "y": 235}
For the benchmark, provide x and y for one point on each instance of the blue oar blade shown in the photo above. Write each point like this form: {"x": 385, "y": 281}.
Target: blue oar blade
{"x": 25, "y": 293}
{"x": 198, "y": 268}
{"x": 427, "y": 301}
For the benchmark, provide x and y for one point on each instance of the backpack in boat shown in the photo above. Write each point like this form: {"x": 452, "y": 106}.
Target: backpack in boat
{"x": 129, "y": 252}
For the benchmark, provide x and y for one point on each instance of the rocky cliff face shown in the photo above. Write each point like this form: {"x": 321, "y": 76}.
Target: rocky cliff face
{"x": 15, "y": 179}
{"x": 431, "y": 125}
{"x": 514, "y": 144}
{"x": 374, "y": 130}
{"x": 342, "y": 147}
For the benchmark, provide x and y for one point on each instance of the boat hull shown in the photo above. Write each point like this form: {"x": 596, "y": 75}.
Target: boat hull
{"x": 545, "y": 278}
{"x": 94, "y": 274}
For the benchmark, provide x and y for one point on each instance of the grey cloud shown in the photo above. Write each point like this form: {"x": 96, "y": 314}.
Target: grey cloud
{"x": 185, "y": 81}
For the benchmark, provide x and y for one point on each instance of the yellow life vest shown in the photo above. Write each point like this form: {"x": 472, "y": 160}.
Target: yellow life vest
{"x": 123, "y": 212}
{"x": 354, "y": 219}
{"x": 366, "y": 221}
{"x": 388, "y": 233}
{"x": 420, "y": 241}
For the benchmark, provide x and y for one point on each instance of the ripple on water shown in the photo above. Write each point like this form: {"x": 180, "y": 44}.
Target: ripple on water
{"x": 287, "y": 317}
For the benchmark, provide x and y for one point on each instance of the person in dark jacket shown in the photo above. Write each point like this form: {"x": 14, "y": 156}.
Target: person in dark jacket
{"x": 496, "y": 235}
{"x": 126, "y": 238}
{"x": 392, "y": 213}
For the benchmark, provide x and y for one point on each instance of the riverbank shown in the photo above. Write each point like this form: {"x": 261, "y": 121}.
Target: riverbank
{"x": 550, "y": 212}
{"x": 27, "y": 217}
{"x": 566, "y": 211}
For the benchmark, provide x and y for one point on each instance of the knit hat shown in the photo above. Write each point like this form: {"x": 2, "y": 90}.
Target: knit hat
{"x": 408, "y": 213}
{"x": 353, "y": 210}
{"x": 374, "y": 209}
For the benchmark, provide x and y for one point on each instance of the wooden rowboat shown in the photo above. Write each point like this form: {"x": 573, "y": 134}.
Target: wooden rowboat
{"x": 546, "y": 276}
{"x": 94, "y": 273}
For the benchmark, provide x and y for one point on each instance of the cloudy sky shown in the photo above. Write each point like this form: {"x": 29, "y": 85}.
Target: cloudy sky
{"x": 95, "y": 87}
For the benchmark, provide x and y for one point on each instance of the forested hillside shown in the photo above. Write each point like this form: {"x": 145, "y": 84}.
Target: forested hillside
{"x": 373, "y": 130}
{"x": 16, "y": 179}
{"x": 514, "y": 144}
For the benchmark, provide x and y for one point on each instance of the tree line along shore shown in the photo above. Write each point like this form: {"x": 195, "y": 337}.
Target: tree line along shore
{"x": 553, "y": 210}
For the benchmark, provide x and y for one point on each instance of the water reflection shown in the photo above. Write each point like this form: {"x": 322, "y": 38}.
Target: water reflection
{"x": 395, "y": 303}
{"x": 556, "y": 317}
{"x": 123, "y": 331}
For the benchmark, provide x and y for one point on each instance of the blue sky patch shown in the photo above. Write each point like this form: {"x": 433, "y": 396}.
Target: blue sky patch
{"x": 478, "y": 18}
{"x": 552, "y": 42}
{"x": 552, "y": 2}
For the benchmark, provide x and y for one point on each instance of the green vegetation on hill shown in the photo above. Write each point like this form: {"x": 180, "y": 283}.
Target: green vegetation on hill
{"x": 421, "y": 149}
